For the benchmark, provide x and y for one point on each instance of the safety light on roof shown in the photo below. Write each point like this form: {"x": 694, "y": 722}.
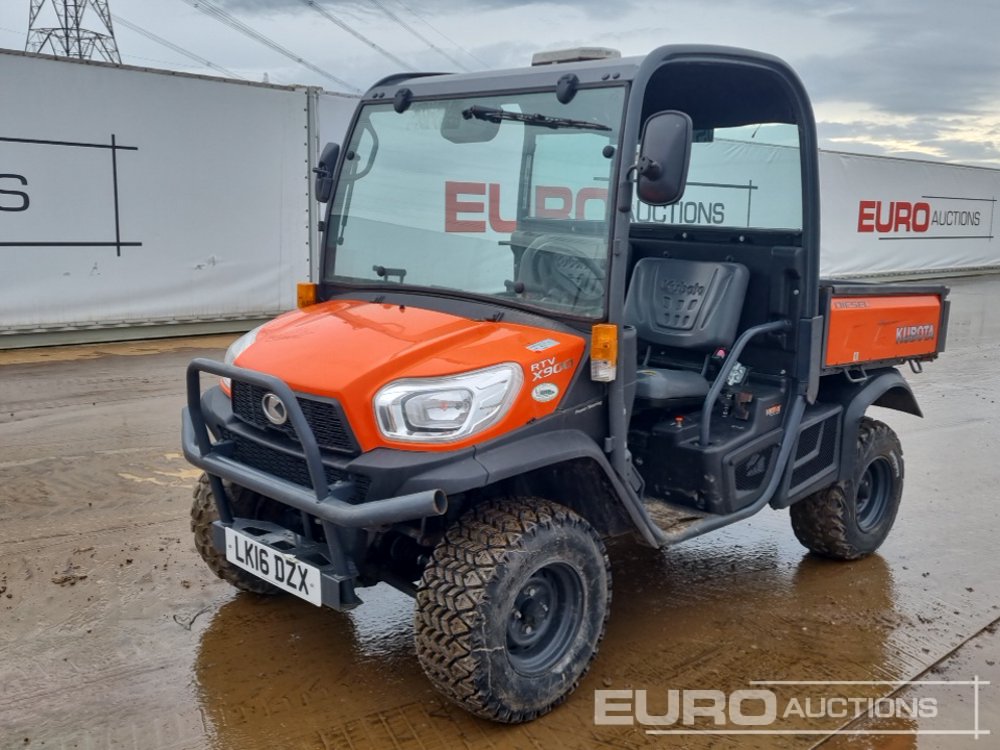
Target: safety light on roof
{"x": 604, "y": 352}
{"x": 575, "y": 54}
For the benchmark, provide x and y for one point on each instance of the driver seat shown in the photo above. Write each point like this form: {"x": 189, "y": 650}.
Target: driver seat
{"x": 683, "y": 304}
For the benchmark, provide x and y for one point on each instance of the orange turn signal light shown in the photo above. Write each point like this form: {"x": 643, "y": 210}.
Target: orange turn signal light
{"x": 604, "y": 352}
{"x": 305, "y": 294}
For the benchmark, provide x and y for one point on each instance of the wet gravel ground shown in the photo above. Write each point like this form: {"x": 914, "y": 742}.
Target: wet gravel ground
{"x": 114, "y": 635}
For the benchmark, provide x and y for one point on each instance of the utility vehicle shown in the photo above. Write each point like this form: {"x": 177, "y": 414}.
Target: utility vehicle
{"x": 556, "y": 305}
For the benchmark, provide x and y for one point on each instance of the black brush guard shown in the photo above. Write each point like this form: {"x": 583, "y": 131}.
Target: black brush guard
{"x": 329, "y": 503}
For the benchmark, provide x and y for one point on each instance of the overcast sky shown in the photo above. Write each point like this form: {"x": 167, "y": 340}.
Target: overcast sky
{"x": 910, "y": 78}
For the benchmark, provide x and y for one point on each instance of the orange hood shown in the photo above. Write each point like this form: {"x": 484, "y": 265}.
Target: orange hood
{"x": 348, "y": 349}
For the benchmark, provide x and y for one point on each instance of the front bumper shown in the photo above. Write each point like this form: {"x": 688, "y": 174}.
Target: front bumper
{"x": 328, "y": 502}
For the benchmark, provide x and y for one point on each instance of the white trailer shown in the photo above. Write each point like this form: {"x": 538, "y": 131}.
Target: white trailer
{"x": 894, "y": 217}
{"x": 137, "y": 200}
{"x": 882, "y": 216}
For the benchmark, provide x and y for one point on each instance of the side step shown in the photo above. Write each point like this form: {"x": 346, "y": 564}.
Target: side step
{"x": 671, "y": 517}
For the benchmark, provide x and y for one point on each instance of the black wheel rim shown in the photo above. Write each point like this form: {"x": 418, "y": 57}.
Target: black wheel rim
{"x": 874, "y": 491}
{"x": 544, "y": 619}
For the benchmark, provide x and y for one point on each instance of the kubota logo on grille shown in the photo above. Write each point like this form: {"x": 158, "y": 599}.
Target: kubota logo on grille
{"x": 274, "y": 409}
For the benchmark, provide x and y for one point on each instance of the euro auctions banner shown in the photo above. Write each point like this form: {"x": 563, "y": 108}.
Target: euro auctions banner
{"x": 885, "y": 216}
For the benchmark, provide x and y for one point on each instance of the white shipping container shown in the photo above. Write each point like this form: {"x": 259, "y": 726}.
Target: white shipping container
{"x": 131, "y": 197}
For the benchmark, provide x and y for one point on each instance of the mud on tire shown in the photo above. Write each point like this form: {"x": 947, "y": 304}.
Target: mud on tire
{"x": 851, "y": 519}
{"x": 203, "y": 512}
{"x": 512, "y": 607}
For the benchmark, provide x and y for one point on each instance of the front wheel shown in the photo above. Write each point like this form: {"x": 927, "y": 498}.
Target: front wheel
{"x": 512, "y": 607}
{"x": 204, "y": 513}
{"x": 851, "y": 519}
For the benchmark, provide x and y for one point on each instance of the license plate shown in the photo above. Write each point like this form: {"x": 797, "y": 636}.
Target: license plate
{"x": 284, "y": 571}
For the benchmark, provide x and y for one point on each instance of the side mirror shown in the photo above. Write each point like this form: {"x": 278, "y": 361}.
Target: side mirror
{"x": 324, "y": 172}
{"x": 664, "y": 155}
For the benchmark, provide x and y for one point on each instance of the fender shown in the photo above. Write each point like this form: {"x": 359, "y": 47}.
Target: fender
{"x": 550, "y": 448}
{"x": 510, "y": 456}
{"x": 537, "y": 446}
{"x": 886, "y": 388}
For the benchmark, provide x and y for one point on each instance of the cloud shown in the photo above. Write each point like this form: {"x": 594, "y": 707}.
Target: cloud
{"x": 892, "y": 76}
{"x": 427, "y": 8}
{"x": 916, "y": 57}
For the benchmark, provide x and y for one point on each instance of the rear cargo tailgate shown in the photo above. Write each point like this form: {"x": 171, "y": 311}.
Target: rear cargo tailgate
{"x": 882, "y": 324}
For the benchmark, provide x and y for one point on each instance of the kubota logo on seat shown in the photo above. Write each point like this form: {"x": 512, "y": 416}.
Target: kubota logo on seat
{"x": 274, "y": 409}
{"x": 676, "y": 286}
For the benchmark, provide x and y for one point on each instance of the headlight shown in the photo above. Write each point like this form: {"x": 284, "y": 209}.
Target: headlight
{"x": 433, "y": 410}
{"x": 236, "y": 349}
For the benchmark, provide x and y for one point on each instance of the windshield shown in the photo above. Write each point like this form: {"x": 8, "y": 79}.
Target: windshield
{"x": 502, "y": 196}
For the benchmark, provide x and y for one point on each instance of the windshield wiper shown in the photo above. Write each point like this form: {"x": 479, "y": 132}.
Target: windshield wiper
{"x": 495, "y": 114}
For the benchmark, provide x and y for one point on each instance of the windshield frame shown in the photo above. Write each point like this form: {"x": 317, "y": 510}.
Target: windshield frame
{"x": 329, "y": 288}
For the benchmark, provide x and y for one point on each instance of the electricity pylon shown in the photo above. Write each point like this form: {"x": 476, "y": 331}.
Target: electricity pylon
{"x": 84, "y": 38}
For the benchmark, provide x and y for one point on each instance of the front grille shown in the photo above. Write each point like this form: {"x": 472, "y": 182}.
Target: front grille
{"x": 286, "y": 466}
{"x": 325, "y": 417}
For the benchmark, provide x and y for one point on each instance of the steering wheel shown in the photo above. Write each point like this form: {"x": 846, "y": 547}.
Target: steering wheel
{"x": 560, "y": 271}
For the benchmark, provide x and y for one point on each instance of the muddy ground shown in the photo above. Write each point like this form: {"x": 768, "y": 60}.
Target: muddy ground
{"x": 114, "y": 635}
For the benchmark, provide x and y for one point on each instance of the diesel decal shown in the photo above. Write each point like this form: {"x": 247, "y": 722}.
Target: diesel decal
{"x": 849, "y": 304}
{"x": 909, "y": 334}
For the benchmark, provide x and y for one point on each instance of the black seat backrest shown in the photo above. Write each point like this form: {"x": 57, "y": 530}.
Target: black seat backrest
{"x": 687, "y": 304}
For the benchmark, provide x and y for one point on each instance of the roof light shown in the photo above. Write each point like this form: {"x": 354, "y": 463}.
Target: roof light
{"x": 575, "y": 54}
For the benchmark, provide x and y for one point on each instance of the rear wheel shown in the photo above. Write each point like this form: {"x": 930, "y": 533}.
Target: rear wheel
{"x": 245, "y": 504}
{"x": 512, "y": 607}
{"x": 851, "y": 519}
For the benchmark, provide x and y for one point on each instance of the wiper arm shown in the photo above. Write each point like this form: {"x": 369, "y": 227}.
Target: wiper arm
{"x": 384, "y": 273}
{"x": 495, "y": 114}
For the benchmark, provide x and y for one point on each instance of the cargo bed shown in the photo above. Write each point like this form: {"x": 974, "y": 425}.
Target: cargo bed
{"x": 881, "y": 324}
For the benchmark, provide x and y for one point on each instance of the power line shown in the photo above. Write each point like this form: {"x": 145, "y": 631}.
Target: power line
{"x": 357, "y": 35}
{"x": 381, "y": 6}
{"x": 176, "y": 48}
{"x": 222, "y": 16}
{"x": 440, "y": 33}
